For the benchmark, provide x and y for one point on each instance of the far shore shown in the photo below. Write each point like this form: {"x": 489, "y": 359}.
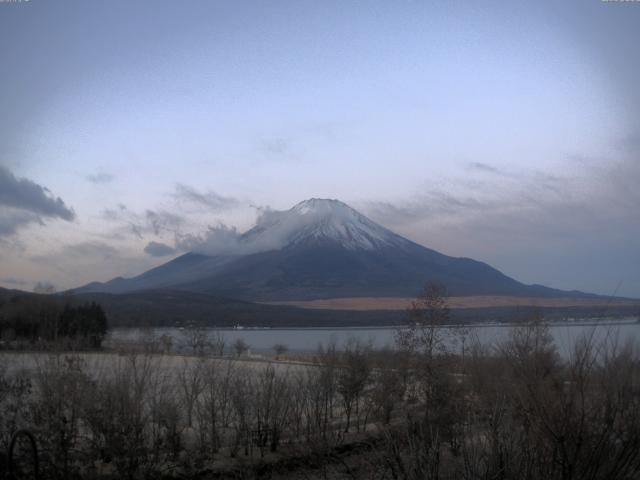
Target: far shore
{"x": 581, "y": 322}
{"x": 477, "y": 301}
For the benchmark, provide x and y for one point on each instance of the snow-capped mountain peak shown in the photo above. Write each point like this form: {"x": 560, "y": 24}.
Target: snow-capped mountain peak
{"x": 321, "y": 206}
{"x": 321, "y": 220}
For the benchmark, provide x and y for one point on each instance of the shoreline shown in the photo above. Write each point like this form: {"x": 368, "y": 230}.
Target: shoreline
{"x": 561, "y": 323}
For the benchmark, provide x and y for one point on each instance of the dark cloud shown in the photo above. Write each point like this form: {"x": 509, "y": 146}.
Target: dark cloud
{"x": 100, "y": 178}
{"x": 209, "y": 199}
{"x": 157, "y": 249}
{"x": 23, "y": 202}
{"x": 27, "y": 195}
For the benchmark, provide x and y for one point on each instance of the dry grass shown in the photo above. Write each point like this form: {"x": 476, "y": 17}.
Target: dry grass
{"x": 101, "y": 363}
{"x": 392, "y": 303}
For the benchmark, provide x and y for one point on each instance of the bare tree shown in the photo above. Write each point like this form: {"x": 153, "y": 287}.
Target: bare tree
{"x": 271, "y": 408}
{"x": 428, "y": 317}
{"x": 320, "y": 392}
{"x": 218, "y": 344}
{"x": 191, "y": 384}
{"x": 15, "y": 391}
{"x": 353, "y": 376}
{"x": 117, "y": 418}
{"x": 240, "y": 347}
{"x": 280, "y": 349}
{"x": 61, "y": 382}
{"x": 240, "y": 397}
{"x": 196, "y": 339}
{"x": 388, "y": 386}
{"x": 166, "y": 343}
{"x": 213, "y": 407}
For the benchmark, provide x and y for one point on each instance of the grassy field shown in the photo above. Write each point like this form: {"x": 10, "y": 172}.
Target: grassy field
{"x": 99, "y": 364}
{"x": 489, "y": 301}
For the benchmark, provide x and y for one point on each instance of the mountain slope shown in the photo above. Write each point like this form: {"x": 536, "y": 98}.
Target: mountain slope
{"x": 322, "y": 249}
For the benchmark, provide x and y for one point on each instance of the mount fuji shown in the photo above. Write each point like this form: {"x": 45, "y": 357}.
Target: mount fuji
{"x": 320, "y": 249}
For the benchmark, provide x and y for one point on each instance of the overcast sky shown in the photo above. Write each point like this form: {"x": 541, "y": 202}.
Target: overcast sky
{"x": 508, "y": 132}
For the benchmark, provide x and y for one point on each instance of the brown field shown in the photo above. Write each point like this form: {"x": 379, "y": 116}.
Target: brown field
{"x": 392, "y": 303}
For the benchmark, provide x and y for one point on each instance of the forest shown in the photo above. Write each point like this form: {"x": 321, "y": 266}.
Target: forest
{"x": 40, "y": 321}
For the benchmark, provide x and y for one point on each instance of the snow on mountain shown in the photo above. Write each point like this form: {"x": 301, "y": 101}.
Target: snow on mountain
{"x": 319, "y": 221}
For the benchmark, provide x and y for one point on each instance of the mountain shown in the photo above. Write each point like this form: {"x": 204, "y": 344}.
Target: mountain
{"x": 321, "y": 249}
{"x": 7, "y": 294}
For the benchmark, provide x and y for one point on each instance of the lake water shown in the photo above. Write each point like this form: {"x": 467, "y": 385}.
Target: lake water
{"x": 308, "y": 339}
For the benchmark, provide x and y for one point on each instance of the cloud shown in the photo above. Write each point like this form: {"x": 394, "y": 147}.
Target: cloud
{"x": 430, "y": 205}
{"x": 12, "y": 219}
{"x": 157, "y": 249}
{"x": 272, "y": 231}
{"x": 93, "y": 249}
{"x": 83, "y": 262}
{"x": 274, "y": 146}
{"x": 467, "y": 199}
{"x": 45, "y": 288}
{"x": 27, "y": 195}
{"x": 225, "y": 240}
{"x": 11, "y": 246}
{"x": 77, "y": 256}
{"x": 209, "y": 200}
{"x": 216, "y": 240}
{"x": 580, "y": 227}
{"x": 23, "y": 202}
{"x": 156, "y": 222}
{"x": 161, "y": 220}
{"x": 100, "y": 178}
{"x": 13, "y": 281}
{"x": 482, "y": 167}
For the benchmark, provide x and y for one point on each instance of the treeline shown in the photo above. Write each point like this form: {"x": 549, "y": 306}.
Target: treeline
{"x": 40, "y": 320}
{"x": 167, "y": 308}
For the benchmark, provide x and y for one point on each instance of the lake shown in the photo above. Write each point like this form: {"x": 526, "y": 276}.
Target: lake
{"x": 308, "y": 339}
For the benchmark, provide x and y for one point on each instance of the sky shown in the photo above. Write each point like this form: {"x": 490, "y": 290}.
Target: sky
{"x": 508, "y": 132}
